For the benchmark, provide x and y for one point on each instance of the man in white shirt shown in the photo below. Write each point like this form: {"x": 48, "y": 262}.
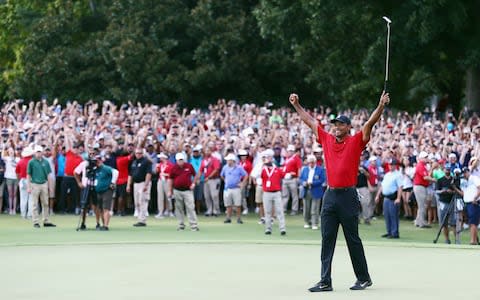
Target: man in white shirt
{"x": 471, "y": 192}
{"x": 256, "y": 179}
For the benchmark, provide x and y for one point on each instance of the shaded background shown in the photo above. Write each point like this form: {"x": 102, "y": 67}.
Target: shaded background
{"x": 195, "y": 51}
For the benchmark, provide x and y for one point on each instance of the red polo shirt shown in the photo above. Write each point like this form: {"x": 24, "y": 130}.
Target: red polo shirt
{"x": 182, "y": 176}
{"x": 122, "y": 167}
{"x": 274, "y": 175}
{"x": 247, "y": 166}
{"x": 420, "y": 172}
{"x": 341, "y": 159}
{"x": 21, "y": 168}
{"x": 208, "y": 165}
{"x": 293, "y": 165}
{"x": 372, "y": 171}
{"x": 72, "y": 160}
{"x": 164, "y": 169}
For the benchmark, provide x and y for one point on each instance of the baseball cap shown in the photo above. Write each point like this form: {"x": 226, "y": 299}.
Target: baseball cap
{"x": 197, "y": 148}
{"x": 423, "y": 154}
{"x": 342, "y": 119}
{"x": 231, "y": 156}
{"x": 180, "y": 156}
{"x": 452, "y": 155}
{"x": 268, "y": 153}
{"x": 311, "y": 158}
{"x": 242, "y": 152}
{"x": 317, "y": 149}
{"x": 38, "y": 149}
{"x": 162, "y": 155}
{"x": 291, "y": 148}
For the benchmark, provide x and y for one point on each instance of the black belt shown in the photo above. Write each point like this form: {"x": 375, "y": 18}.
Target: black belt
{"x": 181, "y": 189}
{"x": 341, "y": 188}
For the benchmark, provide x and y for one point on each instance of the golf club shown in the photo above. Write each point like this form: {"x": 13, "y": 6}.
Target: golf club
{"x": 388, "y": 51}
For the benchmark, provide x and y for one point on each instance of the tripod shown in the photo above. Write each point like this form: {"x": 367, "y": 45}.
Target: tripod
{"x": 454, "y": 207}
{"x": 89, "y": 188}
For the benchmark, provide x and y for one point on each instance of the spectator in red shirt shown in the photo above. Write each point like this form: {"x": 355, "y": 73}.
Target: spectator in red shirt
{"x": 272, "y": 197}
{"x": 163, "y": 170}
{"x": 340, "y": 203}
{"x": 247, "y": 166}
{"x": 123, "y": 159}
{"x": 21, "y": 170}
{"x": 180, "y": 186}
{"x": 373, "y": 188}
{"x": 72, "y": 160}
{"x": 210, "y": 169}
{"x": 421, "y": 181}
{"x": 293, "y": 164}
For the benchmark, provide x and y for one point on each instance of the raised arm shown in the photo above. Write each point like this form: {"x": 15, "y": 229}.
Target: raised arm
{"x": 375, "y": 116}
{"x": 305, "y": 116}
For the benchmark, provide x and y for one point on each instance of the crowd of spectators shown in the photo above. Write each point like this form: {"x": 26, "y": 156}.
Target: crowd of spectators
{"x": 226, "y": 127}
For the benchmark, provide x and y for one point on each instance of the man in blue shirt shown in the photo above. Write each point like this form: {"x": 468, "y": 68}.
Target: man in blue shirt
{"x": 195, "y": 161}
{"x": 391, "y": 189}
{"x": 312, "y": 179}
{"x": 235, "y": 178}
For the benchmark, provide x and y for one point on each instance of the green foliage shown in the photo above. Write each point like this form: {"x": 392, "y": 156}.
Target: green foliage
{"x": 331, "y": 52}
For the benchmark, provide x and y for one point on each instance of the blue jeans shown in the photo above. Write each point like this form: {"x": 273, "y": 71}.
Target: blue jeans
{"x": 391, "y": 213}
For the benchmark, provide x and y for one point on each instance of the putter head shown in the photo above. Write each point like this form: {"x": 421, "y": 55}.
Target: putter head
{"x": 387, "y": 20}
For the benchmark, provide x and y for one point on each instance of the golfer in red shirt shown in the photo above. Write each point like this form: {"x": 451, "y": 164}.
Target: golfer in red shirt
{"x": 340, "y": 203}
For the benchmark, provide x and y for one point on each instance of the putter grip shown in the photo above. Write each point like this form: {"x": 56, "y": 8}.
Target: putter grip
{"x": 385, "y": 87}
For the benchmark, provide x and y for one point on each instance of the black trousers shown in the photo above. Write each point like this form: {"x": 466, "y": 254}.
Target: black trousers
{"x": 341, "y": 207}
{"x": 69, "y": 185}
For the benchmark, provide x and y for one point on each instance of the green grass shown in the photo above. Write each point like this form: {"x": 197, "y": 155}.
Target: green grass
{"x": 15, "y": 231}
{"x": 221, "y": 262}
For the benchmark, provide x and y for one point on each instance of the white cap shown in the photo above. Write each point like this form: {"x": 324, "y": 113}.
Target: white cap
{"x": 423, "y": 154}
{"x": 162, "y": 155}
{"x": 27, "y": 152}
{"x": 198, "y": 147}
{"x": 231, "y": 156}
{"x": 291, "y": 148}
{"x": 38, "y": 148}
{"x": 317, "y": 149}
{"x": 248, "y": 131}
{"x": 373, "y": 158}
{"x": 179, "y": 156}
{"x": 452, "y": 155}
{"x": 268, "y": 153}
{"x": 431, "y": 156}
{"x": 311, "y": 158}
{"x": 242, "y": 152}
{"x": 101, "y": 136}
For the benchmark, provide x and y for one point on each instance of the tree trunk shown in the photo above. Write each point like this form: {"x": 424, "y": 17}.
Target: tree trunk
{"x": 472, "y": 89}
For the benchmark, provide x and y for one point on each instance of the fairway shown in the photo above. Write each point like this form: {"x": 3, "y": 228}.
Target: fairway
{"x": 219, "y": 262}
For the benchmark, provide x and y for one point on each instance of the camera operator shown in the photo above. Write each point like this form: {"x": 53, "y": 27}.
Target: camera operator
{"x": 105, "y": 179}
{"x": 87, "y": 169}
{"x": 446, "y": 190}
{"x": 471, "y": 193}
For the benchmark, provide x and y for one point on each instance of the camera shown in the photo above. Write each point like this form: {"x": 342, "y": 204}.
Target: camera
{"x": 91, "y": 168}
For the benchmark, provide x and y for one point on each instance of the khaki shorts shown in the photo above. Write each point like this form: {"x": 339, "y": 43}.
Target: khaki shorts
{"x": 232, "y": 197}
{"x": 105, "y": 199}
{"x": 51, "y": 187}
{"x": 258, "y": 194}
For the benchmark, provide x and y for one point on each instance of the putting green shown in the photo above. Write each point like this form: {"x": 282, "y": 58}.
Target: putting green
{"x": 220, "y": 262}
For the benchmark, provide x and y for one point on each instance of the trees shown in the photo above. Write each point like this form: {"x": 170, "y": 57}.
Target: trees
{"x": 331, "y": 52}
{"x": 341, "y": 44}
